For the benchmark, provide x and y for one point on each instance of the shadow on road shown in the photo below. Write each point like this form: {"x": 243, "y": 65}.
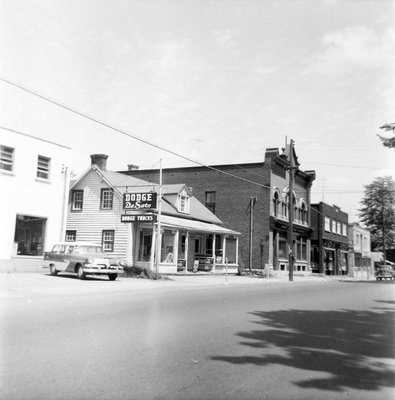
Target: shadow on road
{"x": 354, "y": 347}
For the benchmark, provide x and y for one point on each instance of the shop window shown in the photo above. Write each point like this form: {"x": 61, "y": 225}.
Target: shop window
{"x": 71, "y": 236}
{"x": 209, "y": 245}
{"x": 108, "y": 240}
{"x": 106, "y": 199}
{"x": 282, "y": 246}
{"x": 198, "y": 245}
{"x": 30, "y": 235}
{"x": 145, "y": 245}
{"x": 77, "y": 198}
{"x": 218, "y": 249}
{"x": 167, "y": 249}
{"x": 6, "y": 158}
{"x": 43, "y": 167}
{"x": 210, "y": 201}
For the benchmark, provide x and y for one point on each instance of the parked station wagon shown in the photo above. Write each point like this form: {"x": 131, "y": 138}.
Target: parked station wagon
{"x": 82, "y": 258}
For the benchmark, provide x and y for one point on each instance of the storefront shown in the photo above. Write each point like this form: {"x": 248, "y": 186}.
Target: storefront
{"x": 29, "y": 237}
{"x": 300, "y": 248}
{"x": 186, "y": 246}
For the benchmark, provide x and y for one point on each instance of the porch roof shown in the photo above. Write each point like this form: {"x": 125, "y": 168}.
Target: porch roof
{"x": 193, "y": 225}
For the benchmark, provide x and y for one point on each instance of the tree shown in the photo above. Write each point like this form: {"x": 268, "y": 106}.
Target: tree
{"x": 378, "y": 212}
{"x": 388, "y": 142}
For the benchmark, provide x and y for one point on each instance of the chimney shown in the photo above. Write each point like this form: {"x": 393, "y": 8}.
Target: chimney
{"x": 132, "y": 167}
{"x": 100, "y": 161}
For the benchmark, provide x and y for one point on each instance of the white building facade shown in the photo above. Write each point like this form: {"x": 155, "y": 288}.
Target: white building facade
{"x": 34, "y": 178}
{"x": 359, "y": 248}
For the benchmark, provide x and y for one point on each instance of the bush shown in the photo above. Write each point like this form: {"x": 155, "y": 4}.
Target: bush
{"x": 133, "y": 271}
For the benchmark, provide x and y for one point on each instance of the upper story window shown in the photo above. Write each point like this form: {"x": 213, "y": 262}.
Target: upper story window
{"x": 303, "y": 213}
{"x": 344, "y": 227}
{"x": 333, "y": 226}
{"x": 210, "y": 201}
{"x": 6, "y": 158}
{"x": 43, "y": 167}
{"x": 276, "y": 203}
{"x": 77, "y": 199}
{"x": 106, "y": 199}
{"x": 183, "y": 201}
{"x": 327, "y": 224}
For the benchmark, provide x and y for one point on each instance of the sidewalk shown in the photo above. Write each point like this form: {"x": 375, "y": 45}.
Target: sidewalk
{"x": 35, "y": 265}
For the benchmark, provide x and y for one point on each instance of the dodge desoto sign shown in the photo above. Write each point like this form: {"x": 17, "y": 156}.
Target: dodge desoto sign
{"x": 139, "y": 201}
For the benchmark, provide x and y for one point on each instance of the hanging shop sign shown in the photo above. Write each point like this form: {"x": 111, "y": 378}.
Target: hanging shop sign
{"x": 139, "y": 201}
{"x": 138, "y": 218}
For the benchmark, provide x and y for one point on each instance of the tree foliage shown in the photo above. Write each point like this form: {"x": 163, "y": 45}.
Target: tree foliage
{"x": 377, "y": 212}
{"x": 388, "y": 142}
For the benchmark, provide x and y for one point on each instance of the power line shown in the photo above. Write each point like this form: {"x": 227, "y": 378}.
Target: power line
{"x": 107, "y": 125}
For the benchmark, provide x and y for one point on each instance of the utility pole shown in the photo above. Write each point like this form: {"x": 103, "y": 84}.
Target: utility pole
{"x": 158, "y": 236}
{"x": 252, "y": 201}
{"x": 291, "y": 213}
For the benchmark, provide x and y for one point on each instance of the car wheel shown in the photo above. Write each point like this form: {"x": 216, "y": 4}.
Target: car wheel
{"x": 112, "y": 277}
{"x": 52, "y": 270}
{"x": 80, "y": 273}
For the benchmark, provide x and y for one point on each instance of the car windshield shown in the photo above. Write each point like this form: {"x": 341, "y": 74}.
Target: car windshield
{"x": 88, "y": 249}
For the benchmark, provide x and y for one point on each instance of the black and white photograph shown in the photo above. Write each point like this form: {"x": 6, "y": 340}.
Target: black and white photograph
{"x": 197, "y": 199}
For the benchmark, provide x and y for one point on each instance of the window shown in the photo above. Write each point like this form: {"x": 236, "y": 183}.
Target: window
{"x": 108, "y": 240}
{"x": 106, "y": 198}
{"x": 30, "y": 235}
{"x": 282, "y": 245}
{"x": 210, "y": 201}
{"x": 6, "y": 158}
{"x": 327, "y": 224}
{"x": 183, "y": 203}
{"x": 167, "y": 249}
{"x": 338, "y": 228}
{"x": 344, "y": 229}
{"x": 333, "y": 226}
{"x": 145, "y": 244}
{"x": 198, "y": 245}
{"x": 71, "y": 236}
{"x": 303, "y": 214}
{"x": 77, "y": 200}
{"x": 43, "y": 165}
{"x": 276, "y": 201}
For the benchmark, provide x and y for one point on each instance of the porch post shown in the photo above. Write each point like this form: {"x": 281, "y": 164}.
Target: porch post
{"x": 237, "y": 250}
{"x": 176, "y": 240}
{"x": 224, "y": 249}
{"x": 186, "y": 251}
{"x": 214, "y": 253}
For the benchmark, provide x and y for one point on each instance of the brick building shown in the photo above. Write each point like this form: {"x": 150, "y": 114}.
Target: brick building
{"x": 329, "y": 241}
{"x": 256, "y": 205}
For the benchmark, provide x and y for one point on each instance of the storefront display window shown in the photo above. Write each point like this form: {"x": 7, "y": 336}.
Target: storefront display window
{"x": 282, "y": 246}
{"x": 167, "y": 249}
{"x": 29, "y": 235}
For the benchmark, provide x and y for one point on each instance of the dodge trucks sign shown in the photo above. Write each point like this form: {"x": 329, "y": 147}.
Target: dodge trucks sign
{"x": 139, "y": 201}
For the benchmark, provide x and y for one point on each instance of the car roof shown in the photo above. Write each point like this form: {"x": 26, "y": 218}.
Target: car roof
{"x": 78, "y": 243}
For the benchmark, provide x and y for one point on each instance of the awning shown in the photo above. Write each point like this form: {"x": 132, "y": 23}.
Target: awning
{"x": 197, "y": 226}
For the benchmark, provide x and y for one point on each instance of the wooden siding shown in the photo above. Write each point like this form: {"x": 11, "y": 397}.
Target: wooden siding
{"x": 91, "y": 221}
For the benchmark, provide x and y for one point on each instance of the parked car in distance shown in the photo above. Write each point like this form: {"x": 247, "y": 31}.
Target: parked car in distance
{"x": 384, "y": 272}
{"x": 82, "y": 258}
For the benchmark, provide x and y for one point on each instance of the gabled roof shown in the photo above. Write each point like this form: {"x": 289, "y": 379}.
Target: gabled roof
{"x": 122, "y": 183}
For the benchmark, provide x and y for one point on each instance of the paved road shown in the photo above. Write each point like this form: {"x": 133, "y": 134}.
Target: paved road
{"x": 310, "y": 339}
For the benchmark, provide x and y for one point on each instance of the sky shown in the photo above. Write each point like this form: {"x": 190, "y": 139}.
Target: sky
{"x": 215, "y": 81}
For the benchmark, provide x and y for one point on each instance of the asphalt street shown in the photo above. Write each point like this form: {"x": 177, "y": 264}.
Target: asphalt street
{"x": 208, "y": 338}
